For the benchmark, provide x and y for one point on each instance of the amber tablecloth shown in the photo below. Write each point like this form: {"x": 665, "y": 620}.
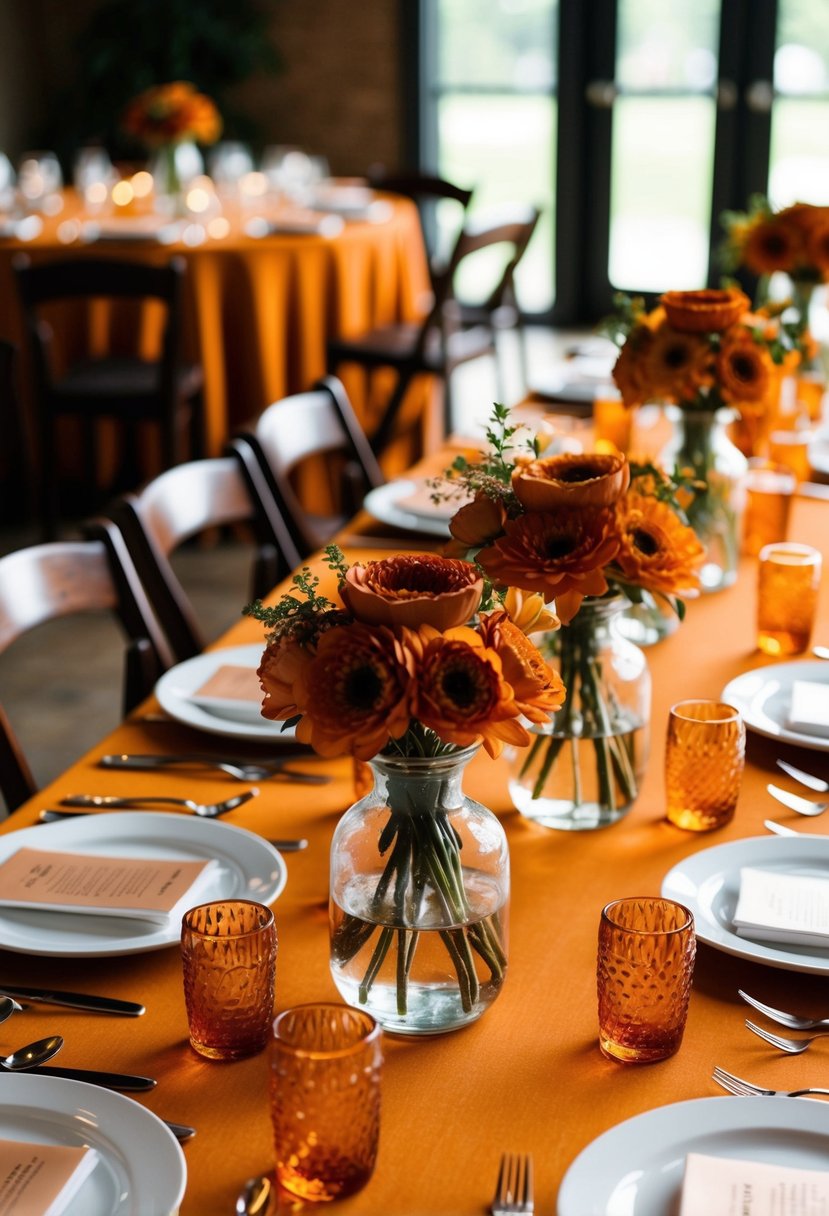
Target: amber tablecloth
{"x": 528, "y": 1075}
{"x": 258, "y": 312}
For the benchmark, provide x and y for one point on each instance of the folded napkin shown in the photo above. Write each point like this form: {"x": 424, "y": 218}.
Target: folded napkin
{"x": 41, "y": 1179}
{"x": 809, "y": 709}
{"x": 232, "y": 691}
{"x": 155, "y": 889}
{"x": 722, "y": 1186}
{"x": 778, "y": 907}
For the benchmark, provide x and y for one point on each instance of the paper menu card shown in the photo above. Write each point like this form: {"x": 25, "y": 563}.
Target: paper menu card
{"x": 778, "y": 907}
{"x": 41, "y": 1179}
{"x": 721, "y": 1186}
{"x": 155, "y": 889}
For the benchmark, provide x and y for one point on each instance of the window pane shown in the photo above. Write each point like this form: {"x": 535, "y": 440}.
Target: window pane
{"x": 801, "y": 60}
{"x": 799, "y": 168}
{"x": 663, "y": 45}
{"x": 662, "y": 166}
{"x": 504, "y": 43}
{"x": 505, "y": 147}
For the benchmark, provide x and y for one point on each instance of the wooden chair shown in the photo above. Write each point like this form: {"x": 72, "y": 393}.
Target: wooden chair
{"x": 185, "y": 502}
{"x": 44, "y": 582}
{"x": 439, "y": 343}
{"x": 128, "y": 389}
{"x": 427, "y": 191}
{"x": 317, "y": 423}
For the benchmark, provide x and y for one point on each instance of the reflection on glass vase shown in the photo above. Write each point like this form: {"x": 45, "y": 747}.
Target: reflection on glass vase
{"x": 700, "y": 444}
{"x": 583, "y": 770}
{"x": 419, "y": 897}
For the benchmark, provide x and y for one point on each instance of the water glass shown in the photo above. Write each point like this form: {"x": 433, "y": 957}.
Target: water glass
{"x": 769, "y": 492}
{"x": 325, "y": 1099}
{"x": 228, "y": 952}
{"x": 645, "y": 966}
{"x": 787, "y": 593}
{"x": 704, "y": 761}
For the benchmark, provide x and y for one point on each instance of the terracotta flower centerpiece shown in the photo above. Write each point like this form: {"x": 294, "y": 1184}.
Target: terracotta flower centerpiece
{"x": 166, "y": 117}
{"x": 590, "y": 532}
{"x": 411, "y": 672}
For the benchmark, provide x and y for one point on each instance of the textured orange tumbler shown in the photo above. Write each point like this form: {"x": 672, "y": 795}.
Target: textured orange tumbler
{"x": 325, "y": 1099}
{"x": 645, "y": 966}
{"x": 704, "y": 761}
{"x": 228, "y": 953}
{"x": 788, "y": 580}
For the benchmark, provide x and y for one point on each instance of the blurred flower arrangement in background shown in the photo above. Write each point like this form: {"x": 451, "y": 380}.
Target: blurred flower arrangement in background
{"x": 170, "y": 114}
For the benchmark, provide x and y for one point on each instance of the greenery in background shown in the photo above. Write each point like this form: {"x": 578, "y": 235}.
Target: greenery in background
{"x": 127, "y": 46}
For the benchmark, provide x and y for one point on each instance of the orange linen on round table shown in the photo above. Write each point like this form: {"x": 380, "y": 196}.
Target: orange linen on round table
{"x": 529, "y": 1076}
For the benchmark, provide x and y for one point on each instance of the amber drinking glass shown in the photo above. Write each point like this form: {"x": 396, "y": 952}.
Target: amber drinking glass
{"x": 810, "y": 388}
{"x": 704, "y": 760}
{"x": 325, "y": 1099}
{"x": 768, "y": 505}
{"x": 612, "y": 420}
{"x": 787, "y": 592}
{"x": 791, "y": 449}
{"x": 645, "y": 966}
{"x": 228, "y": 952}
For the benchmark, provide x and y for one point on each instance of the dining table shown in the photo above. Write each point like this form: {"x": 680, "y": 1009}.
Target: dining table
{"x": 264, "y": 292}
{"x": 528, "y": 1076}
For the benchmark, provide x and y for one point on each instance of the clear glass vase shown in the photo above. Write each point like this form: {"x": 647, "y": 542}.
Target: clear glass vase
{"x": 419, "y": 898}
{"x": 583, "y": 769}
{"x": 700, "y": 443}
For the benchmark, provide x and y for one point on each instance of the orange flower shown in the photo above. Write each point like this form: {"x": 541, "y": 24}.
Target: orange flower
{"x": 413, "y": 589}
{"x": 478, "y": 521}
{"x": 529, "y": 612}
{"x": 743, "y": 368}
{"x": 677, "y": 364}
{"x": 817, "y": 246}
{"x": 171, "y": 113}
{"x": 561, "y": 555}
{"x": 537, "y": 689}
{"x": 704, "y": 311}
{"x": 355, "y": 692}
{"x": 280, "y": 674}
{"x": 657, "y": 551}
{"x": 460, "y": 692}
{"x": 590, "y": 480}
{"x": 771, "y": 245}
{"x": 629, "y": 369}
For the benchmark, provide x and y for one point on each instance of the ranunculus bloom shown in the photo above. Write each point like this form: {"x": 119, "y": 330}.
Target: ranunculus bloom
{"x": 743, "y": 368}
{"x": 529, "y": 612}
{"x": 705, "y": 311}
{"x": 478, "y": 521}
{"x": 413, "y": 589}
{"x": 537, "y": 689}
{"x": 279, "y": 676}
{"x": 356, "y": 692}
{"x": 559, "y": 554}
{"x": 460, "y": 692}
{"x": 568, "y": 480}
{"x": 657, "y": 551}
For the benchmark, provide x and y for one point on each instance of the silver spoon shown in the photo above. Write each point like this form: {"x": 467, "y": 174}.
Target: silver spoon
{"x": 208, "y": 809}
{"x": 8, "y": 1006}
{"x": 33, "y": 1054}
{"x": 255, "y": 1196}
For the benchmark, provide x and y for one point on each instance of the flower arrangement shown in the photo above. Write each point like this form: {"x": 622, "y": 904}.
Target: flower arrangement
{"x": 396, "y": 669}
{"x": 172, "y": 114}
{"x": 794, "y": 240}
{"x": 579, "y": 530}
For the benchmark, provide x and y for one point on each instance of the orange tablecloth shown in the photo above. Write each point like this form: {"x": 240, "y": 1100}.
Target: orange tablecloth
{"x": 258, "y": 312}
{"x": 528, "y": 1075}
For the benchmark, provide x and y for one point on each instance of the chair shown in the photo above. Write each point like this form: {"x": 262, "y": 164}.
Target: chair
{"x": 15, "y": 468}
{"x": 439, "y": 343}
{"x": 188, "y": 501}
{"x": 126, "y": 388}
{"x": 317, "y": 423}
{"x": 427, "y": 191}
{"x": 65, "y": 578}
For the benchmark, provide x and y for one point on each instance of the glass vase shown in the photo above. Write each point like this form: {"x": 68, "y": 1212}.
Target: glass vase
{"x": 583, "y": 769}
{"x": 700, "y": 445}
{"x": 419, "y": 898}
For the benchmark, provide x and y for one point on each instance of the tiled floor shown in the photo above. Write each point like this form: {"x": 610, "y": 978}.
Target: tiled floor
{"x": 61, "y": 685}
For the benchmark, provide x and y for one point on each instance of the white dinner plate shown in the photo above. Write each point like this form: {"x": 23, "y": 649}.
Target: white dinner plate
{"x": 709, "y": 883}
{"x": 636, "y": 1168}
{"x": 383, "y": 501}
{"x": 141, "y": 1170}
{"x": 819, "y": 452}
{"x": 176, "y": 687}
{"x": 248, "y": 868}
{"x": 764, "y": 696}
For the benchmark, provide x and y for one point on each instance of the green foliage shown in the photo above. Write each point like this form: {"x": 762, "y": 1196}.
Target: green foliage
{"x": 627, "y": 312}
{"x": 297, "y": 617}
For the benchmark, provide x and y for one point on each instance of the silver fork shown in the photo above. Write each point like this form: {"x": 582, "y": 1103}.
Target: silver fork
{"x": 791, "y": 1020}
{"x": 241, "y": 770}
{"x": 208, "y": 809}
{"x": 514, "y": 1189}
{"x": 803, "y": 806}
{"x": 736, "y": 1085}
{"x": 793, "y": 1046}
{"x": 812, "y": 783}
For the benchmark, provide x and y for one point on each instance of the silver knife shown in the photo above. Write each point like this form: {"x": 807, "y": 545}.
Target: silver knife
{"x": 109, "y": 1080}
{"x": 278, "y": 768}
{"x": 73, "y": 1000}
